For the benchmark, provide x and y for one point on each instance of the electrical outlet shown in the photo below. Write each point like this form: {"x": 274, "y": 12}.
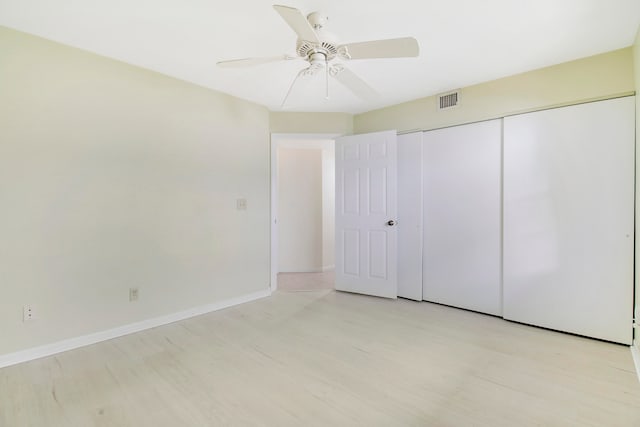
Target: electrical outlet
{"x": 241, "y": 204}
{"x": 28, "y": 313}
{"x": 133, "y": 294}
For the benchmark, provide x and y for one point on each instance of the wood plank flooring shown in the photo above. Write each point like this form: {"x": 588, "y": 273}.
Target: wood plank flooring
{"x": 327, "y": 358}
{"x": 304, "y": 282}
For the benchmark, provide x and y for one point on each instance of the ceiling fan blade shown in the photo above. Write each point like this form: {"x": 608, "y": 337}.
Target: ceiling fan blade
{"x": 298, "y": 23}
{"x": 391, "y": 48}
{"x": 354, "y": 83}
{"x": 251, "y": 62}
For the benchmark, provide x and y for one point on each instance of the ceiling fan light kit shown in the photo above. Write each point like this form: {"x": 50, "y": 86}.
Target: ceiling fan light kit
{"x": 320, "y": 48}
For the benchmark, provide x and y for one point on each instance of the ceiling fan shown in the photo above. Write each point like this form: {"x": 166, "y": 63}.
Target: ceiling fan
{"x": 320, "y": 49}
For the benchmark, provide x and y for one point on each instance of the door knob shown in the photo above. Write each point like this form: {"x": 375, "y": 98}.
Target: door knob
{"x": 391, "y": 223}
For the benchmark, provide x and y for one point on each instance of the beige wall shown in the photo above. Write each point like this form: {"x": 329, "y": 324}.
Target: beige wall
{"x": 321, "y": 123}
{"x": 596, "y": 77}
{"x": 299, "y": 210}
{"x": 114, "y": 177}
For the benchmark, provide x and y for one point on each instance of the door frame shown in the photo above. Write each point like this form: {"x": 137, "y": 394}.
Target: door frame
{"x": 279, "y": 140}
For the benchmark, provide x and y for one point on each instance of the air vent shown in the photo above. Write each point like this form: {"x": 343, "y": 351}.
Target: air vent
{"x": 448, "y": 100}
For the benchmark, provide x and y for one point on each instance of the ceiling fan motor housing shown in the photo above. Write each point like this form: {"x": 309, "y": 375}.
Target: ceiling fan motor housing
{"x": 306, "y": 49}
{"x": 328, "y": 45}
{"x": 317, "y": 19}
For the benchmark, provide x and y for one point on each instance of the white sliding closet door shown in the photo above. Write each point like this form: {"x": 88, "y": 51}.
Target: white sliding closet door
{"x": 568, "y": 219}
{"x": 462, "y": 216}
{"x": 410, "y": 216}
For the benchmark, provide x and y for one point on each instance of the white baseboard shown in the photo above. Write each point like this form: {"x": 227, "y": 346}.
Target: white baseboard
{"x": 328, "y": 268}
{"x": 635, "y": 353}
{"x": 73, "y": 343}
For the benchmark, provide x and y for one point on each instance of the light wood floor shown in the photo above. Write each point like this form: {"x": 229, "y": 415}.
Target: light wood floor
{"x": 303, "y": 282}
{"x": 329, "y": 359}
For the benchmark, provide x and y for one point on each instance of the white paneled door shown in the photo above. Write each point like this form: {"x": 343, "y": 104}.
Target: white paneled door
{"x": 569, "y": 219}
{"x": 366, "y": 214}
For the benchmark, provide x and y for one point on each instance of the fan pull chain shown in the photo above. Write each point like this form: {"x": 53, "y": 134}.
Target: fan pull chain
{"x": 291, "y": 87}
{"x": 326, "y": 75}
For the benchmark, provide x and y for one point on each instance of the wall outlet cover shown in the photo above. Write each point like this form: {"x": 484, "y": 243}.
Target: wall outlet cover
{"x": 28, "y": 312}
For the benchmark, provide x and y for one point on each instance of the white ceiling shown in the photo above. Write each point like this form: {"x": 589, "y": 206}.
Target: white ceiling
{"x": 462, "y": 42}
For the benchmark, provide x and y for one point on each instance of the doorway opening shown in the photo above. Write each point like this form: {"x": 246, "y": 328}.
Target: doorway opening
{"x": 302, "y": 211}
